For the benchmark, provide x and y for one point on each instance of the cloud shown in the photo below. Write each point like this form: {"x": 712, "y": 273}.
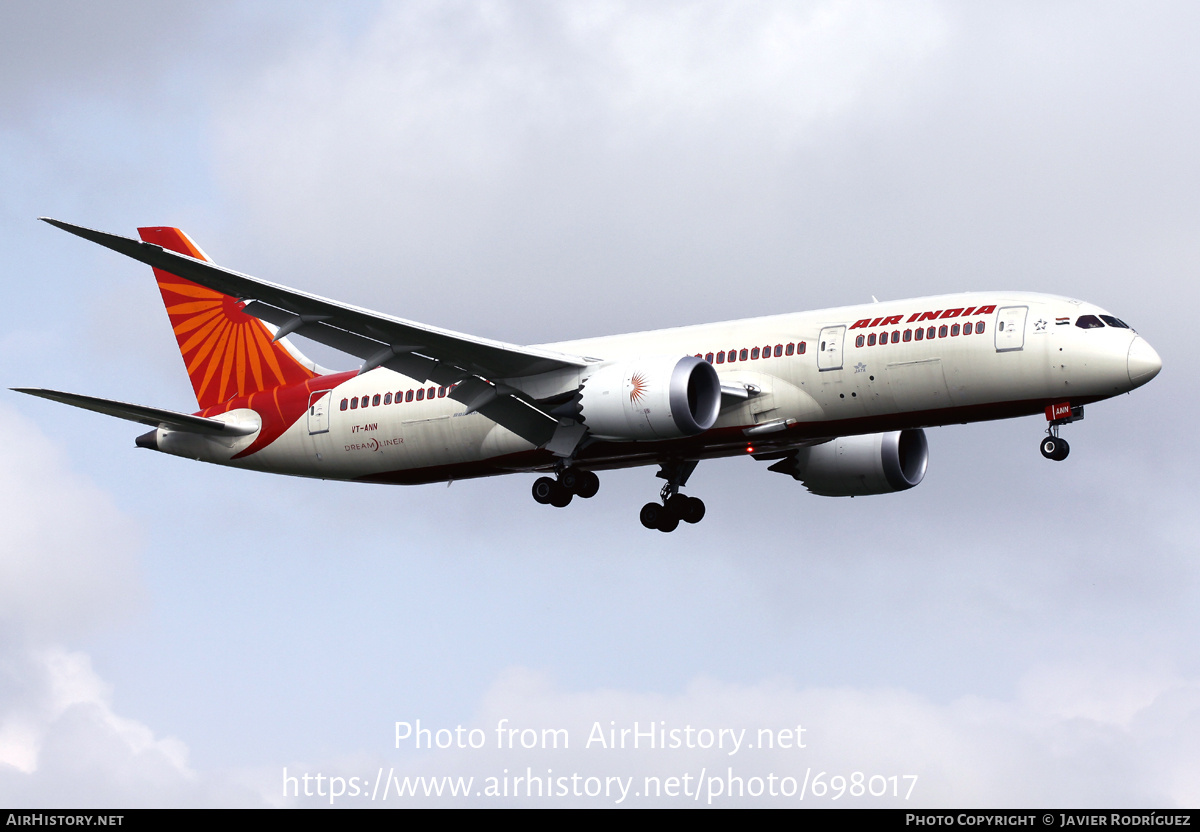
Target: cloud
{"x": 68, "y": 569}
{"x": 1131, "y": 743}
{"x": 531, "y": 151}
{"x": 69, "y": 556}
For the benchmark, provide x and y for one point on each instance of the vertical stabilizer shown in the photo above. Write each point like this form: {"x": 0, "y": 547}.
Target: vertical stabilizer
{"x": 227, "y": 352}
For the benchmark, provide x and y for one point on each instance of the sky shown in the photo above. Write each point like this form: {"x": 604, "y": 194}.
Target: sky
{"x": 1012, "y": 633}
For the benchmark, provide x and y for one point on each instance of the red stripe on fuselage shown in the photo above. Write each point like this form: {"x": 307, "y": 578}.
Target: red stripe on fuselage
{"x": 288, "y": 404}
{"x": 714, "y": 444}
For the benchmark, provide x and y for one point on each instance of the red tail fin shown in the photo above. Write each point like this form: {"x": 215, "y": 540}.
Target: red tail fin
{"x": 227, "y": 352}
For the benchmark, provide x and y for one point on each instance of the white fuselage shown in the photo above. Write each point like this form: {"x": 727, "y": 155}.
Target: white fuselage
{"x": 1029, "y": 354}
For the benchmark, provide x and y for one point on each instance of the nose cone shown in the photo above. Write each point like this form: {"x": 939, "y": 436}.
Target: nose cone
{"x": 1144, "y": 362}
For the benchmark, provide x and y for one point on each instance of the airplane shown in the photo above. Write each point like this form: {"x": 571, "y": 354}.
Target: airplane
{"x": 837, "y": 399}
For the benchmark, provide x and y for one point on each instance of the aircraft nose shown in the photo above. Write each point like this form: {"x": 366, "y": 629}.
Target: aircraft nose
{"x": 1144, "y": 362}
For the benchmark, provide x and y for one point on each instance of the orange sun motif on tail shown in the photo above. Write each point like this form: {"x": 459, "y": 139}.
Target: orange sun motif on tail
{"x": 227, "y": 352}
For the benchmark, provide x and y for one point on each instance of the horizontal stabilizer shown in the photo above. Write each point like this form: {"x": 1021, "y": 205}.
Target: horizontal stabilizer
{"x": 146, "y": 415}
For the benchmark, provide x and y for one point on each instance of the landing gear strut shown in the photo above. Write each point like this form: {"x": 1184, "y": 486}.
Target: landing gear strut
{"x": 1053, "y": 446}
{"x": 571, "y": 481}
{"x": 665, "y": 516}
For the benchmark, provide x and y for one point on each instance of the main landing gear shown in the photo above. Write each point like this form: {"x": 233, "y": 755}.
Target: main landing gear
{"x": 665, "y": 516}
{"x": 571, "y": 481}
{"x": 1053, "y": 446}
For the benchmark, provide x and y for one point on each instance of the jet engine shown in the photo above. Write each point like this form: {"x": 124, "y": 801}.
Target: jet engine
{"x": 855, "y": 466}
{"x": 651, "y": 398}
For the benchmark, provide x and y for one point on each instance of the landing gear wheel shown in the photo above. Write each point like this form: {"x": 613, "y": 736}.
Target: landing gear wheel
{"x": 668, "y": 522}
{"x": 650, "y": 515}
{"x": 588, "y": 484}
{"x": 677, "y": 506}
{"x": 1049, "y": 447}
{"x": 560, "y": 497}
{"x": 1054, "y": 448}
{"x": 1063, "y": 450}
{"x": 687, "y": 509}
{"x": 569, "y": 479}
{"x": 543, "y": 489}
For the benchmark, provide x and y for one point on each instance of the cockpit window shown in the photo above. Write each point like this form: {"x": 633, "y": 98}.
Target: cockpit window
{"x": 1089, "y": 322}
{"x": 1111, "y": 321}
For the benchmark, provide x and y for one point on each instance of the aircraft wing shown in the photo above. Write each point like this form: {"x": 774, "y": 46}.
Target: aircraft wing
{"x": 146, "y": 415}
{"x": 418, "y": 351}
{"x": 408, "y": 347}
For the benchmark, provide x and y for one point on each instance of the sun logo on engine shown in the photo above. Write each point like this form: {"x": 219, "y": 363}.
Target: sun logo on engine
{"x": 639, "y": 387}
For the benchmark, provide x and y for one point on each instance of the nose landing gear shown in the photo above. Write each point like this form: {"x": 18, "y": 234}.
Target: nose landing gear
{"x": 1053, "y": 446}
{"x": 665, "y": 516}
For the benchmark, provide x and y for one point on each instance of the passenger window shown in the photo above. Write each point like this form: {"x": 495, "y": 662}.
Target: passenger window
{"x": 954, "y": 330}
{"x": 366, "y": 400}
{"x": 721, "y": 357}
{"x": 920, "y": 334}
{"x": 858, "y": 342}
{"x": 942, "y": 331}
{"x": 387, "y": 398}
{"x": 421, "y": 394}
{"x": 979, "y": 327}
{"x": 754, "y": 353}
{"x": 967, "y": 329}
{"x": 929, "y": 332}
{"x": 408, "y": 397}
{"x": 1089, "y": 322}
{"x": 354, "y": 403}
{"x": 430, "y": 393}
{"x": 778, "y": 350}
{"x": 709, "y": 358}
{"x": 742, "y": 355}
{"x": 908, "y": 335}
{"x": 896, "y": 336}
{"x": 803, "y": 347}
{"x": 345, "y": 403}
{"x": 791, "y": 348}
{"x": 375, "y": 400}
{"x": 871, "y": 340}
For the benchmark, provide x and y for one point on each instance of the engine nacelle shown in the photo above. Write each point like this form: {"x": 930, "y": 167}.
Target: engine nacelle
{"x": 651, "y": 398}
{"x": 855, "y": 466}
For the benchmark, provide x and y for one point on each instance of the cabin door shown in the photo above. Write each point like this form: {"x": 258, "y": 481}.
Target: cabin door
{"x": 1010, "y": 328}
{"x": 318, "y": 412}
{"x": 829, "y": 348}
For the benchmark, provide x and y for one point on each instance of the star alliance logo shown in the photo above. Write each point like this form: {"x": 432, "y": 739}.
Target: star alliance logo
{"x": 1040, "y": 325}
{"x": 860, "y": 367}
